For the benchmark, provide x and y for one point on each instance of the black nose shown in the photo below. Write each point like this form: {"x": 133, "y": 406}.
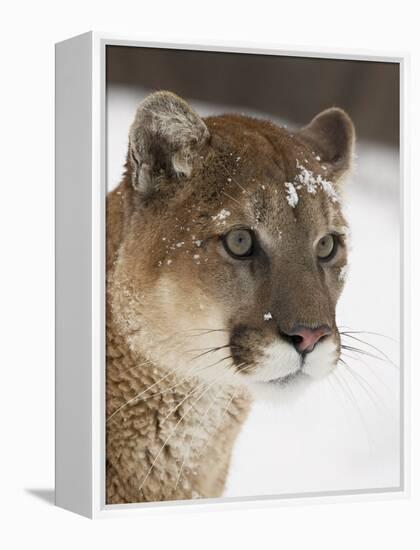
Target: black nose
{"x": 305, "y": 338}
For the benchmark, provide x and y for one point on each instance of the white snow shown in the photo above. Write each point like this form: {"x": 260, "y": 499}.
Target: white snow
{"x": 312, "y": 183}
{"x": 291, "y": 194}
{"x": 267, "y": 316}
{"x": 306, "y": 179}
{"x": 221, "y": 216}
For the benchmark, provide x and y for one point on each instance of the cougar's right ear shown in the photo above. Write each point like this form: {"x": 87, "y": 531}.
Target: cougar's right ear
{"x": 165, "y": 139}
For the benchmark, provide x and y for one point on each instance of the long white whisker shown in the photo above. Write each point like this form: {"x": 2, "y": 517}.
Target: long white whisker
{"x": 135, "y": 367}
{"x": 366, "y": 386}
{"x": 166, "y": 390}
{"x": 343, "y": 403}
{"x": 218, "y": 424}
{"x": 370, "y": 369}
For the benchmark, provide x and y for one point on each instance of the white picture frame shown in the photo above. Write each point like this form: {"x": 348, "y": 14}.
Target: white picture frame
{"x": 80, "y": 278}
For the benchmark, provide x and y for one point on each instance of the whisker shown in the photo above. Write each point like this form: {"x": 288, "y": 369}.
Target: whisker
{"x": 166, "y": 390}
{"x": 371, "y": 346}
{"x": 351, "y": 331}
{"x": 135, "y": 367}
{"x": 174, "y": 409}
{"x": 372, "y": 394}
{"x": 139, "y": 395}
{"x": 188, "y": 395}
{"x": 203, "y": 333}
{"x": 364, "y": 352}
{"x": 187, "y": 454}
{"x": 195, "y": 371}
{"x": 207, "y": 351}
{"x": 346, "y": 389}
{"x": 370, "y": 369}
{"x": 218, "y": 424}
{"x": 206, "y": 330}
{"x": 336, "y": 394}
{"x": 216, "y": 348}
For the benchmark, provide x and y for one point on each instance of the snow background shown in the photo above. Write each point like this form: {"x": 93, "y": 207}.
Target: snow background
{"x": 341, "y": 434}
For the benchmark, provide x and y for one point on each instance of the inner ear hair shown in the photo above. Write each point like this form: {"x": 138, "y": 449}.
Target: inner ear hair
{"x": 331, "y": 134}
{"x": 164, "y": 140}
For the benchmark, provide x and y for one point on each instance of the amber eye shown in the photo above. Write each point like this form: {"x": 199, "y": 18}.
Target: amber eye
{"x": 326, "y": 248}
{"x": 239, "y": 243}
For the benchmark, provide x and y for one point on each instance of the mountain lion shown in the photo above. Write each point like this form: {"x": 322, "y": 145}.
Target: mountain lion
{"x": 226, "y": 255}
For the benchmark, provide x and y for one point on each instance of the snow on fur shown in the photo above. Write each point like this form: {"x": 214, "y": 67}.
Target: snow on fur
{"x": 291, "y": 194}
{"x": 220, "y": 218}
{"x": 306, "y": 179}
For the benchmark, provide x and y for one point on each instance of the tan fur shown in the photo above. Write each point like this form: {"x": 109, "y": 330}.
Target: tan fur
{"x": 136, "y": 434}
{"x": 188, "y": 335}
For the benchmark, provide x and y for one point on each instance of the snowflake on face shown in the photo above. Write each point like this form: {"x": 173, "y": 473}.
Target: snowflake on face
{"x": 312, "y": 183}
{"x": 220, "y": 218}
{"x": 306, "y": 179}
{"x": 291, "y": 194}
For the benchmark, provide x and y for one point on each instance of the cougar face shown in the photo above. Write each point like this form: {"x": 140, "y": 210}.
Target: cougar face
{"x": 233, "y": 245}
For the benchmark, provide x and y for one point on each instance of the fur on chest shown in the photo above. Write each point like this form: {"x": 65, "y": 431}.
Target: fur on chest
{"x": 165, "y": 434}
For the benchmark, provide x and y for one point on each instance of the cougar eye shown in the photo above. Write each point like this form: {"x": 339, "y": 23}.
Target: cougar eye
{"x": 239, "y": 243}
{"x": 326, "y": 247}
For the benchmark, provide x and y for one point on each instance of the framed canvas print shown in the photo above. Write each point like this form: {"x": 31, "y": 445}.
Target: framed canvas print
{"x": 231, "y": 292}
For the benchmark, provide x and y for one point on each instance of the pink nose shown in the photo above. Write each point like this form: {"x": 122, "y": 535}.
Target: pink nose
{"x": 304, "y": 339}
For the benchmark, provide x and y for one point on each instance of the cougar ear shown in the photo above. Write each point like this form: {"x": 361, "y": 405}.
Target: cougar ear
{"x": 331, "y": 134}
{"x": 164, "y": 139}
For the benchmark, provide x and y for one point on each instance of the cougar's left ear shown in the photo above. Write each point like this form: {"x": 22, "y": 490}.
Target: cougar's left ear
{"x": 331, "y": 134}
{"x": 164, "y": 139}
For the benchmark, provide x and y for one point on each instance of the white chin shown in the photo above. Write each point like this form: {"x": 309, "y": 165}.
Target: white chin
{"x": 279, "y": 360}
{"x": 281, "y": 392}
{"x": 281, "y": 378}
